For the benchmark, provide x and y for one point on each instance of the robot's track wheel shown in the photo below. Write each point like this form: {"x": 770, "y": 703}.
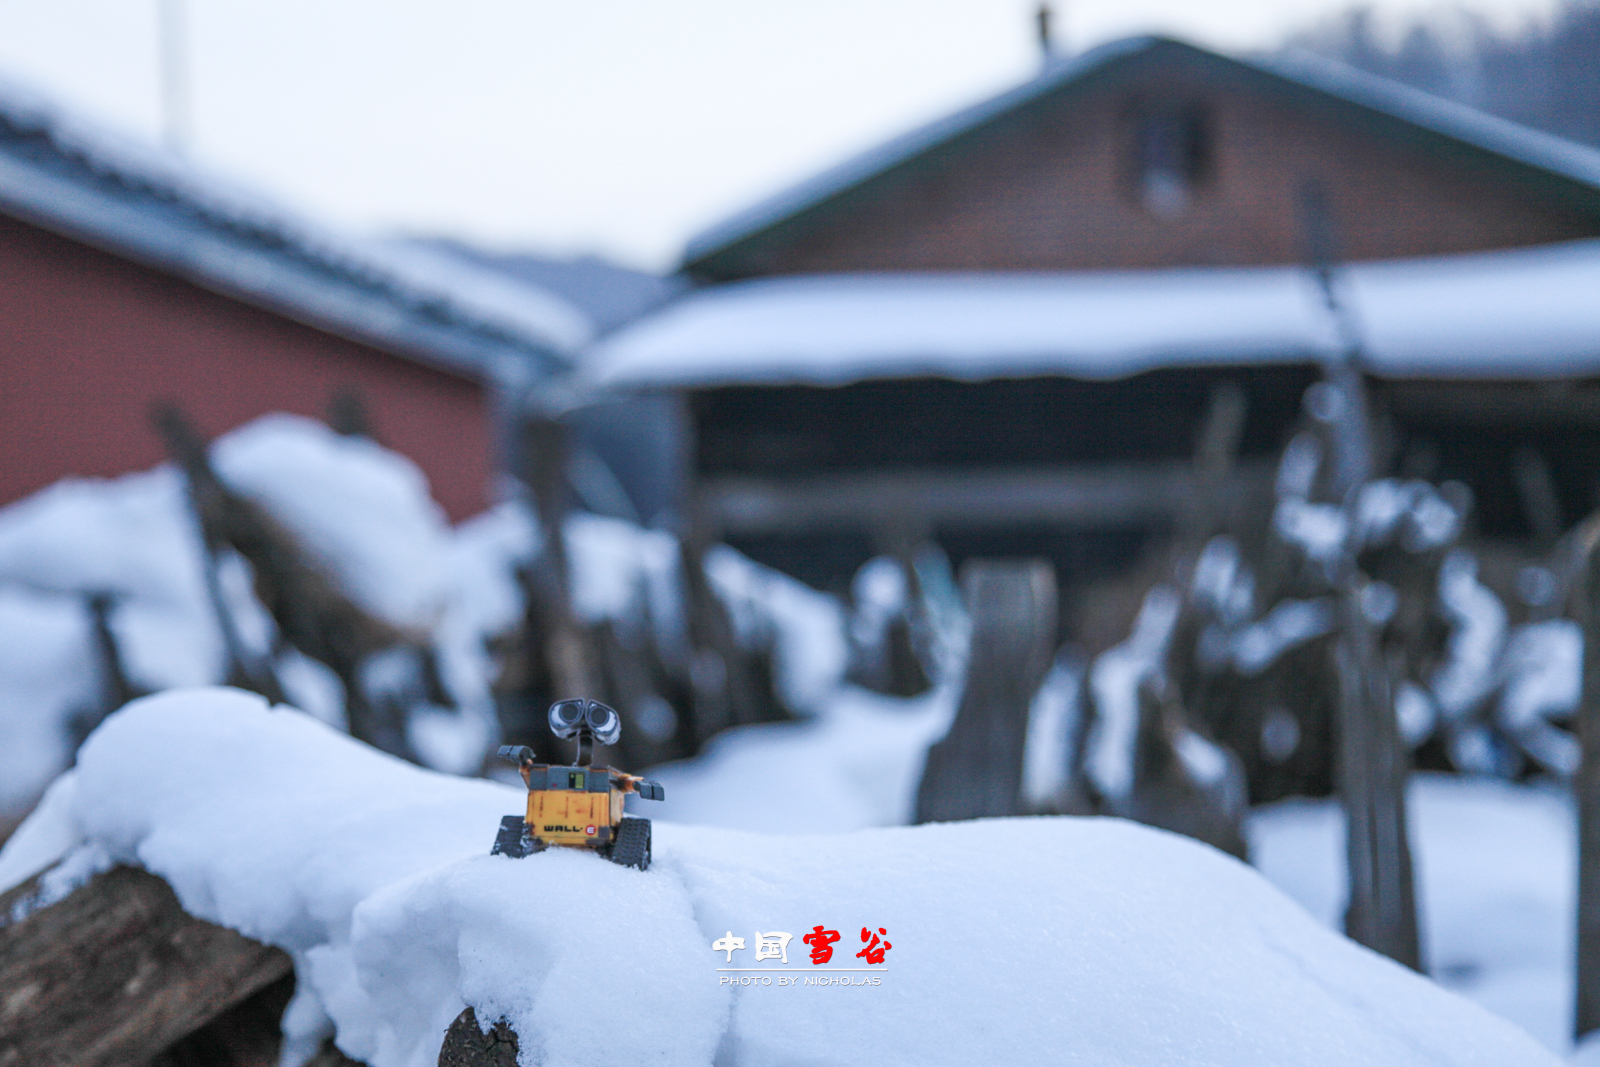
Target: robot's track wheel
{"x": 632, "y": 847}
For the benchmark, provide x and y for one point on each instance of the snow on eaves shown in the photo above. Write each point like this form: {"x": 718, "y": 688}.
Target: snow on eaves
{"x": 138, "y": 201}
{"x": 1526, "y": 313}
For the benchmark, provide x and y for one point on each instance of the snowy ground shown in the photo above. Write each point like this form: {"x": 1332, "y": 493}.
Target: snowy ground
{"x": 855, "y": 765}
{"x": 1073, "y": 941}
{"x": 1496, "y": 875}
{"x": 1495, "y": 861}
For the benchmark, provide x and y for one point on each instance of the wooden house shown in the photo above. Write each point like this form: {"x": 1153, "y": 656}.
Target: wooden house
{"x": 1005, "y": 330}
{"x": 1152, "y": 153}
{"x": 128, "y": 279}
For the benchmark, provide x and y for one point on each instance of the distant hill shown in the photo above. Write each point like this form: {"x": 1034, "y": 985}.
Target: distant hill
{"x": 610, "y": 295}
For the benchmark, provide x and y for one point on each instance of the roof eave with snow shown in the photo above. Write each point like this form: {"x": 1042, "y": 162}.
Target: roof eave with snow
{"x": 1514, "y": 315}
{"x": 122, "y": 198}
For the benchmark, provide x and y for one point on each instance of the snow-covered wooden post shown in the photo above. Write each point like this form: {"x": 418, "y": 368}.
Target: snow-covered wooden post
{"x": 1372, "y": 762}
{"x": 1581, "y": 575}
{"x": 894, "y": 666}
{"x": 976, "y": 770}
{"x": 208, "y": 502}
{"x": 730, "y": 684}
{"x": 571, "y": 661}
{"x": 312, "y": 613}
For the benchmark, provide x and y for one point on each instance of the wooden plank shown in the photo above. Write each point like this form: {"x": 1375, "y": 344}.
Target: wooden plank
{"x": 1373, "y": 766}
{"x": 1109, "y": 494}
{"x": 976, "y": 770}
{"x": 246, "y": 1035}
{"x": 1511, "y": 405}
{"x": 1373, "y": 763}
{"x": 1578, "y": 571}
{"x": 118, "y": 971}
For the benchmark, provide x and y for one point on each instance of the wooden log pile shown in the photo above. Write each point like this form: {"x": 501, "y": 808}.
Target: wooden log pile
{"x": 674, "y": 692}
{"x": 117, "y": 973}
{"x": 311, "y": 612}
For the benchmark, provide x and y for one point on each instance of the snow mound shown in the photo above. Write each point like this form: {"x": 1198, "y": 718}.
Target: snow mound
{"x": 128, "y": 538}
{"x": 853, "y": 765}
{"x": 363, "y": 512}
{"x": 1080, "y": 941}
{"x": 1496, "y": 873}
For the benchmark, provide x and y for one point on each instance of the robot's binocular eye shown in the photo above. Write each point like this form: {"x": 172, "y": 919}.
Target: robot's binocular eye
{"x": 605, "y": 723}
{"x": 567, "y": 717}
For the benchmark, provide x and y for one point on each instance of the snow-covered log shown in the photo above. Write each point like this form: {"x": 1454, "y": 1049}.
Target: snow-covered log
{"x": 116, "y": 971}
{"x": 1037, "y": 940}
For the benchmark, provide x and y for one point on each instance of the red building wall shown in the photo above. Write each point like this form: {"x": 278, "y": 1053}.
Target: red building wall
{"x": 89, "y": 341}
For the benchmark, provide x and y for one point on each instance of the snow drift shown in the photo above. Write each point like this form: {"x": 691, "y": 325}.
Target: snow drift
{"x": 364, "y": 517}
{"x": 1496, "y": 867}
{"x": 1077, "y": 941}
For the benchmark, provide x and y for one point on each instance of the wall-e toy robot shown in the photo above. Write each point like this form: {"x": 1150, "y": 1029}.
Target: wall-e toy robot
{"x": 578, "y": 806}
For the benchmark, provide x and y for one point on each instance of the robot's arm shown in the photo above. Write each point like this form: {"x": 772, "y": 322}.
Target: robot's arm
{"x": 632, "y": 783}
{"x": 518, "y": 754}
{"x": 522, "y": 756}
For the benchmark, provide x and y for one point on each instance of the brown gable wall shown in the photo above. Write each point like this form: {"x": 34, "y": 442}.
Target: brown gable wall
{"x": 89, "y": 341}
{"x": 1056, "y": 190}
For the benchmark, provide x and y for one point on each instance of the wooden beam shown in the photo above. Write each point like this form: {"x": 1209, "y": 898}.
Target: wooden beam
{"x": 975, "y": 771}
{"x": 1373, "y": 763}
{"x": 1100, "y": 495}
{"x": 1578, "y": 572}
{"x": 1557, "y": 404}
{"x": 116, "y": 972}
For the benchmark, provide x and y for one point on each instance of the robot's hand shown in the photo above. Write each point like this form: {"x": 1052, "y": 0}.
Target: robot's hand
{"x": 518, "y": 754}
{"x": 632, "y": 783}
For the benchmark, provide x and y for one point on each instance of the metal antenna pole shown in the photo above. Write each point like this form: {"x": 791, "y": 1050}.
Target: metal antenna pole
{"x": 174, "y": 60}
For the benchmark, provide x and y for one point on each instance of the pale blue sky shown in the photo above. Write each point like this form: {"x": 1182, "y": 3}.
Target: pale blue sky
{"x": 567, "y": 126}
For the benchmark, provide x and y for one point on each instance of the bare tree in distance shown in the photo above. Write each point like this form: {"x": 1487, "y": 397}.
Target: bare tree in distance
{"x": 1544, "y": 75}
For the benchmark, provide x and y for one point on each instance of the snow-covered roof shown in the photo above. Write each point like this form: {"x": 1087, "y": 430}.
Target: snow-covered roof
{"x": 1572, "y": 167}
{"x": 1528, "y": 313}
{"x": 142, "y": 203}
{"x": 610, "y": 294}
